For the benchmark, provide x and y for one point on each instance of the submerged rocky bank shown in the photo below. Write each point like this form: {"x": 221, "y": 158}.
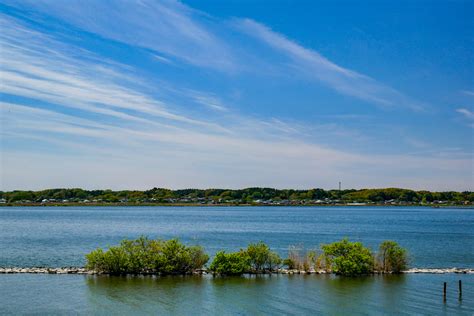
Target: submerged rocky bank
{"x": 82, "y": 270}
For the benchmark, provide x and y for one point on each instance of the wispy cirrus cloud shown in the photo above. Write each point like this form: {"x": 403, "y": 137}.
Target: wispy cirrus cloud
{"x": 209, "y": 100}
{"x": 168, "y": 27}
{"x": 314, "y": 65}
{"x": 174, "y": 29}
{"x": 42, "y": 69}
{"x": 466, "y": 113}
{"x": 468, "y": 92}
{"x": 68, "y": 106}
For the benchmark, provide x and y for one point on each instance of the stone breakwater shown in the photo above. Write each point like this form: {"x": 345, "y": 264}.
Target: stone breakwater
{"x": 440, "y": 271}
{"x": 45, "y": 270}
{"x": 79, "y": 270}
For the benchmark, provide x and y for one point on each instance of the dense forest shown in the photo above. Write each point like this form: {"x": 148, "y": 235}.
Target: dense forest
{"x": 265, "y": 196}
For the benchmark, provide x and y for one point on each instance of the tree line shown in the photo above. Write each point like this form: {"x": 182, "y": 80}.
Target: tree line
{"x": 240, "y": 196}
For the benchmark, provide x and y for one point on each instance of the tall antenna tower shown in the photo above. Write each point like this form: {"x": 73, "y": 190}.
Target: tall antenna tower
{"x": 339, "y": 185}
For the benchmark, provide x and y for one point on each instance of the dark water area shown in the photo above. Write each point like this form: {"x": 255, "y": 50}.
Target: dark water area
{"x": 49, "y": 236}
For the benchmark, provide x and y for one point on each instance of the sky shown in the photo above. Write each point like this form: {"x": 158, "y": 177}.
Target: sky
{"x": 230, "y": 94}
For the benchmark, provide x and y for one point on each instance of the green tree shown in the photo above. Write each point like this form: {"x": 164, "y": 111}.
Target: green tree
{"x": 235, "y": 263}
{"x": 262, "y": 258}
{"x": 147, "y": 256}
{"x": 349, "y": 258}
{"x": 274, "y": 261}
{"x": 258, "y": 255}
{"x": 391, "y": 257}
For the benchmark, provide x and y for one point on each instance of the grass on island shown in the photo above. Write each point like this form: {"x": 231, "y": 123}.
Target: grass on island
{"x": 164, "y": 257}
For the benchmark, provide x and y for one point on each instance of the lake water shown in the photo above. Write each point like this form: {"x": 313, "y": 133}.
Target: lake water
{"x": 60, "y": 236}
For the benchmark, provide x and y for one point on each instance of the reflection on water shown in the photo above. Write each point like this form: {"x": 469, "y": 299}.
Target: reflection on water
{"x": 255, "y": 295}
{"x": 276, "y": 294}
{"x": 166, "y": 294}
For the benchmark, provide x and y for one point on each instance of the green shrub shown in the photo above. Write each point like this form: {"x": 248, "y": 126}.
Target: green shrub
{"x": 349, "y": 258}
{"x": 274, "y": 261}
{"x": 113, "y": 261}
{"x": 198, "y": 257}
{"x": 137, "y": 253}
{"x": 262, "y": 258}
{"x": 95, "y": 260}
{"x": 392, "y": 257}
{"x": 234, "y": 263}
{"x": 147, "y": 256}
{"x": 289, "y": 263}
{"x": 258, "y": 255}
{"x": 175, "y": 257}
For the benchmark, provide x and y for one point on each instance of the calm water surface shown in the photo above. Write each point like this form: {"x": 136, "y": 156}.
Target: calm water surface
{"x": 61, "y": 236}
{"x": 270, "y": 295}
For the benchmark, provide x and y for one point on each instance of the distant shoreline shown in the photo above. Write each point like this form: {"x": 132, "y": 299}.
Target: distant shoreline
{"x": 255, "y": 196}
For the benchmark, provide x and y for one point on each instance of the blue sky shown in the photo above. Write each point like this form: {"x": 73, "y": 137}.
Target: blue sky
{"x": 140, "y": 94}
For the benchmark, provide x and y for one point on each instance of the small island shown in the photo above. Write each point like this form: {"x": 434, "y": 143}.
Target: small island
{"x": 156, "y": 257}
{"x": 171, "y": 257}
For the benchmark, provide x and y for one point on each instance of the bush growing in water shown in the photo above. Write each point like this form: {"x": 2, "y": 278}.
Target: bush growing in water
{"x": 262, "y": 258}
{"x": 391, "y": 257}
{"x": 234, "y": 263}
{"x": 256, "y": 258}
{"x": 144, "y": 255}
{"x": 349, "y": 258}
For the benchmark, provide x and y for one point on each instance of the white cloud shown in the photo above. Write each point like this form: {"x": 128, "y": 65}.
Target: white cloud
{"x": 468, "y": 92}
{"x": 208, "y": 100}
{"x": 174, "y": 29}
{"x": 100, "y": 126}
{"x": 31, "y": 70}
{"x": 467, "y": 113}
{"x": 316, "y": 66}
{"x": 166, "y": 26}
{"x": 162, "y": 59}
{"x": 143, "y": 157}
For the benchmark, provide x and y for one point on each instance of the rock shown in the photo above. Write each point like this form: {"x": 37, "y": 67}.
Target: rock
{"x": 81, "y": 270}
{"x": 438, "y": 271}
